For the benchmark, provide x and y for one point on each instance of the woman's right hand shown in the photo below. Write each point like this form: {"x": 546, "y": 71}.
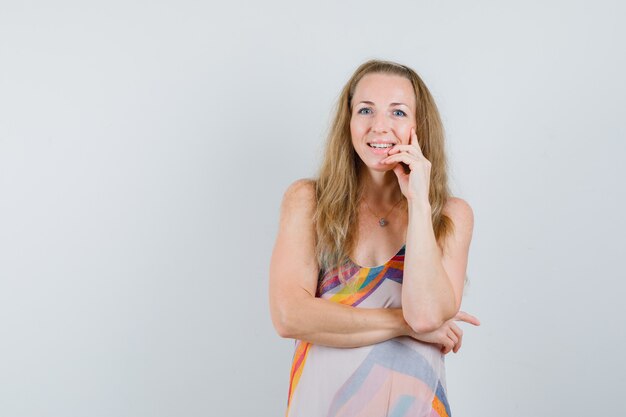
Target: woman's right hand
{"x": 449, "y": 335}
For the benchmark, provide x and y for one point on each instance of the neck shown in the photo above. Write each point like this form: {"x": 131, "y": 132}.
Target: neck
{"x": 379, "y": 188}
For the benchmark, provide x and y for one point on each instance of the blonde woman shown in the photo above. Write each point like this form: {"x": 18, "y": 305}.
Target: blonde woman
{"x": 369, "y": 265}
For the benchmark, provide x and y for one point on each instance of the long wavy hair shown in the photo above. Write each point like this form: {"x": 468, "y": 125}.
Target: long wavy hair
{"x": 338, "y": 190}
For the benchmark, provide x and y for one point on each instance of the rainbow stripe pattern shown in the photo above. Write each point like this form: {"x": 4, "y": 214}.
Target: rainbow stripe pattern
{"x": 398, "y": 377}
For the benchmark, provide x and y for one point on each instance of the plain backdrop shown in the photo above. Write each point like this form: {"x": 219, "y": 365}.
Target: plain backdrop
{"x": 145, "y": 147}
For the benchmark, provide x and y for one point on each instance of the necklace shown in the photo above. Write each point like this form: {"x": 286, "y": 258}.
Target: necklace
{"x": 383, "y": 221}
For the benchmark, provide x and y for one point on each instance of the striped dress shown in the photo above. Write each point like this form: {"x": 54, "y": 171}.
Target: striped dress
{"x": 397, "y": 377}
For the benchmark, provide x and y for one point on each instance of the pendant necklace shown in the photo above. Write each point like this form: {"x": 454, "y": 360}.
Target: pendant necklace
{"x": 382, "y": 220}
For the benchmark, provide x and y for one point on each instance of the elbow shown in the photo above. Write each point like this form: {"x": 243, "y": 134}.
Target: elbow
{"x": 282, "y": 323}
{"x": 289, "y": 314}
{"x": 427, "y": 321}
{"x": 422, "y": 324}
{"x": 283, "y": 330}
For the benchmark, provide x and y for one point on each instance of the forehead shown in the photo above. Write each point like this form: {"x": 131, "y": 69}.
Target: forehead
{"x": 383, "y": 89}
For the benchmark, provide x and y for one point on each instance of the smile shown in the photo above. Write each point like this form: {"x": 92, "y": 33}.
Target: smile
{"x": 378, "y": 145}
{"x": 380, "y": 148}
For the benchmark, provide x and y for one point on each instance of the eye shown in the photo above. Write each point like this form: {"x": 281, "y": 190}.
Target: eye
{"x": 364, "y": 110}
{"x": 399, "y": 113}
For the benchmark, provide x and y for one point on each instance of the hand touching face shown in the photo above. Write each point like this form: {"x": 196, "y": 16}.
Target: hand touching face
{"x": 383, "y": 113}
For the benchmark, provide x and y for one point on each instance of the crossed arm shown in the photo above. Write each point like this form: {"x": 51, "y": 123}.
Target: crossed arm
{"x": 297, "y": 313}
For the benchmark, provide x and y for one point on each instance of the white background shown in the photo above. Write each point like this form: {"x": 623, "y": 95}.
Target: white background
{"x": 145, "y": 147}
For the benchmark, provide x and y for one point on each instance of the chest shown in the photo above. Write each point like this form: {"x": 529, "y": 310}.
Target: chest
{"x": 375, "y": 244}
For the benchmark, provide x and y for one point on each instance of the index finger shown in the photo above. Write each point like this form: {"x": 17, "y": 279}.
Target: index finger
{"x": 468, "y": 318}
{"x": 413, "y": 141}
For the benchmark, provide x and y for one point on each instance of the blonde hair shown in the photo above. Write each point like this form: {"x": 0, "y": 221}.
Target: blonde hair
{"x": 337, "y": 184}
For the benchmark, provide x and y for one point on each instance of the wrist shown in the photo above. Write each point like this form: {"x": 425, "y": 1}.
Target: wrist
{"x": 418, "y": 204}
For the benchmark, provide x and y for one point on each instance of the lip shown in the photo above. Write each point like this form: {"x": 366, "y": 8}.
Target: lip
{"x": 380, "y": 151}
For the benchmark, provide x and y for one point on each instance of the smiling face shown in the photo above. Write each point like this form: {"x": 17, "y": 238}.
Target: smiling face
{"x": 383, "y": 113}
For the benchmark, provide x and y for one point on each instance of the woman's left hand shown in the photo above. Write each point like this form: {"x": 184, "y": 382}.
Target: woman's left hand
{"x": 449, "y": 335}
{"x": 414, "y": 185}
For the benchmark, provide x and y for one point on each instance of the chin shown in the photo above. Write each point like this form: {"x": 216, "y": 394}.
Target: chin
{"x": 380, "y": 167}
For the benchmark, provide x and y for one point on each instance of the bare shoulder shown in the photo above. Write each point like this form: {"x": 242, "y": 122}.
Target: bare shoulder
{"x": 300, "y": 193}
{"x": 462, "y": 215}
{"x": 297, "y": 210}
{"x": 459, "y": 210}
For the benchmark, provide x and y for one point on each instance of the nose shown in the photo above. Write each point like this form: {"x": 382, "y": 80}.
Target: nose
{"x": 380, "y": 124}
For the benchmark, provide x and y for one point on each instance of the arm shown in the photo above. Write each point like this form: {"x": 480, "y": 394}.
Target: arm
{"x": 296, "y": 312}
{"x": 433, "y": 279}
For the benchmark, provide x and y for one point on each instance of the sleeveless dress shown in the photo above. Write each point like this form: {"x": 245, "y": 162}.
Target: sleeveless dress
{"x": 398, "y": 377}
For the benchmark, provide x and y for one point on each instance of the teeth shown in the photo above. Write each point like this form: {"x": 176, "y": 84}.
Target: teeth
{"x": 381, "y": 145}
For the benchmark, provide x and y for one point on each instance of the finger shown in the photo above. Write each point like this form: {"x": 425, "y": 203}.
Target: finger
{"x": 414, "y": 142}
{"x": 456, "y": 329}
{"x": 406, "y": 148}
{"x": 449, "y": 345}
{"x": 468, "y": 318}
{"x": 400, "y": 157}
{"x": 459, "y": 334}
{"x": 399, "y": 171}
{"x": 458, "y": 345}
{"x": 452, "y": 336}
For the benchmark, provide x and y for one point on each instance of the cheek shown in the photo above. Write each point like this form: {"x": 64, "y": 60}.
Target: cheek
{"x": 356, "y": 130}
{"x": 404, "y": 131}
{"x": 353, "y": 135}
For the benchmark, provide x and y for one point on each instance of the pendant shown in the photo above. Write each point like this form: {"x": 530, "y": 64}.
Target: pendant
{"x": 382, "y": 222}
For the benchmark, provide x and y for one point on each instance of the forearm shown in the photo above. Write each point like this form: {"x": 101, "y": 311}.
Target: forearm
{"x": 350, "y": 340}
{"x": 427, "y": 295}
{"x": 328, "y": 323}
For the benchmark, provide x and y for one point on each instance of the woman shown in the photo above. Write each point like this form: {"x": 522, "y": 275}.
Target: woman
{"x": 371, "y": 340}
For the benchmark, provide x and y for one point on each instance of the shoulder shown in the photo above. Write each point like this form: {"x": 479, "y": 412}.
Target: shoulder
{"x": 458, "y": 210}
{"x": 462, "y": 216}
{"x": 303, "y": 188}
{"x": 300, "y": 195}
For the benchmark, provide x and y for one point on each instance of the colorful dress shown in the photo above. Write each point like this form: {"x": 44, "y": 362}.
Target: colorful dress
{"x": 398, "y": 377}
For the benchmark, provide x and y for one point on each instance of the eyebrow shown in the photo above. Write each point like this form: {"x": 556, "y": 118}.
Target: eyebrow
{"x": 391, "y": 104}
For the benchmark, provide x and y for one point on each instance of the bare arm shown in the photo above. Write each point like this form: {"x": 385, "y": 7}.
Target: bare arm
{"x": 433, "y": 279}
{"x": 324, "y": 322}
{"x": 296, "y": 312}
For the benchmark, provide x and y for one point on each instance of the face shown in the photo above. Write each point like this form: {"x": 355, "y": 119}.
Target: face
{"x": 383, "y": 113}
